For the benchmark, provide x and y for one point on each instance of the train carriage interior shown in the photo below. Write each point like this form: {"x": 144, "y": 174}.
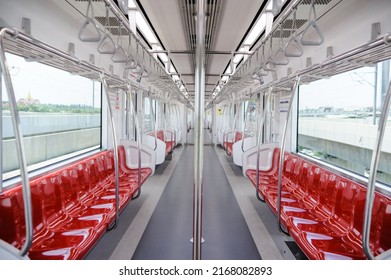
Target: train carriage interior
{"x": 195, "y": 130}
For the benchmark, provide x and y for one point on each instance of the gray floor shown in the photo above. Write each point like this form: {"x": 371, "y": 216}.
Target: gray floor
{"x": 224, "y": 228}
{"x": 158, "y": 225}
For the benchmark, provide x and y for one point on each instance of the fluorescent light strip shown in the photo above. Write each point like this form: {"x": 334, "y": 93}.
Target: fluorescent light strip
{"x": 145, "y": 29}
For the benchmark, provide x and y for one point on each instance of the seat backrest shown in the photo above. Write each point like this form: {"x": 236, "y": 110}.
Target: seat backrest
{"x": 346, "y": 198}
{"x": 11, "y": 217}
{"x": 238, "y": 136}
{"x": 328, "y": 192}
{"x": 68, "y": 187}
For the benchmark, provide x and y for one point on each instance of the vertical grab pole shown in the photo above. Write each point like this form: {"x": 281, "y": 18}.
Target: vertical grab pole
{"x": 19, "y": 146}
{"x": 153, "y": 118}
{"x": 244, "y": 124}
{"x": 259, "y": 136}
{"x": 1, "y": 130}
{"x": 115, "y": 148}
{"x": 282, "y": 148}
{"x": 199, "y": 133}
{"x": 138, "y": 136}
{"x": 372, "y": 177}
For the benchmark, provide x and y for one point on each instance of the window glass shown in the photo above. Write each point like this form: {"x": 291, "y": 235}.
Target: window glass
{"x": 338, "y": 118}
{"x": 250, "y": 118}
{"x": 60, "y": 115}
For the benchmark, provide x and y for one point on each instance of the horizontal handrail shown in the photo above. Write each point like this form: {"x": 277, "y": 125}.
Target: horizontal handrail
{"x": 158, "y": 68}
{"x": 83, "y": 66}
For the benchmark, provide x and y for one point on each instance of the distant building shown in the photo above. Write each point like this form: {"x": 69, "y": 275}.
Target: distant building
{"x": 28, "y": 100}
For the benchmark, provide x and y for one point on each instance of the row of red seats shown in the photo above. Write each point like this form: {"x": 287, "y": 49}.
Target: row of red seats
{"x": 170, "y": 144}
{"x": 71, "y": 207}
{"x": 322, "y": 211}
{"x": 227, "y": 145}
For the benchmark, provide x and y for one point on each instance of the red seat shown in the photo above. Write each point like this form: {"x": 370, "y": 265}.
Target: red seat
{"x": 71, "y": 207}
{"x": 322, "y": 211}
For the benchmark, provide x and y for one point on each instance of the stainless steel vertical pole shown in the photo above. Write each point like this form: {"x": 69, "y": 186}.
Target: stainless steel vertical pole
{"x": 282, "y": 151}
{"x": 115, "y": 149}
{"x": 1, "y": 131}
{"x": 199, "y": 132}
{"x": 372, "y": 180}
{"x": 19, "y": 146}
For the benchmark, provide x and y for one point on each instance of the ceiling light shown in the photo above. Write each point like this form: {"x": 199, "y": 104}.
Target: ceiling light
{"x": 145, "y": 29}
{"x": 131, "y": 4}
{"x": 256, "y": 30}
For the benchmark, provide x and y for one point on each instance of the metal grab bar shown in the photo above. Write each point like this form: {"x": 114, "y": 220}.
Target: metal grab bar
{"x": 293, "y": 47}
{"x": 244, "y": 124}
{"x": 153, "y": 118}
{"x": 372, "y": 180}
{"x": 312, "y": 23}
{"x": 89, "y": 20}
{"x": 1, "y": 130}
{"x": 19, "y": 144}
{"x": 106, "y": 87}
{"x": 199, "y": 131}
{"x": 282, "y": 149}
{"x": 138, "y": 140}
{"x": 107, "y": 45}
{"x": 259, "y": 136}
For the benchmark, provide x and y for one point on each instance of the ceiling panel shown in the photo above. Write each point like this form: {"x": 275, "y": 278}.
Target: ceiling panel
{"x": 233, "y": 19}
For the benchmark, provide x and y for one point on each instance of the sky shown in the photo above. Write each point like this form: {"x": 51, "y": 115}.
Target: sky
{"x": 48, "y": 84}
{"x": 354, "y": 89}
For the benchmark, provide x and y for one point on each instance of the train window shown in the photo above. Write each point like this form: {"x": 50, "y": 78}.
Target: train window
{"x": 337, "y": 120}
{"x": 60, "y": 115}
{"x": 249, "y": 115}
{"x": 149, "y": 116}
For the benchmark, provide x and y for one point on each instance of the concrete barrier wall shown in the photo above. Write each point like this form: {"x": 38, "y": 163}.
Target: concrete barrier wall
{"x": 41, "y": 123}
{"x": 345, "y": 132}
{"x": 45, "y": 147}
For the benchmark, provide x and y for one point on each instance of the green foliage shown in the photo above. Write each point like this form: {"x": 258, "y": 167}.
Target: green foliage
{"x": 54, "y": 108}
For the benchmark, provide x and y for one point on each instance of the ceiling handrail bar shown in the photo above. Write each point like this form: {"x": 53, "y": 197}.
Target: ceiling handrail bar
{"x": 312, "y": 23}
{"x": 107, "y": 40}
{"x": 14, "y": 35}
{"x": 259, "y": 139}
{"x": 26, "y": 191}
{"x": 282, "y": 149}
{"x": 372, "y": 180}
{"x": 121, "y": 17}
{"x": 89, "y": 20}
{"x": 382, "y": 40}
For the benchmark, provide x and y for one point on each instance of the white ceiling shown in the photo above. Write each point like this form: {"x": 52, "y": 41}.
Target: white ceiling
{"x": 234, "y": 20}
